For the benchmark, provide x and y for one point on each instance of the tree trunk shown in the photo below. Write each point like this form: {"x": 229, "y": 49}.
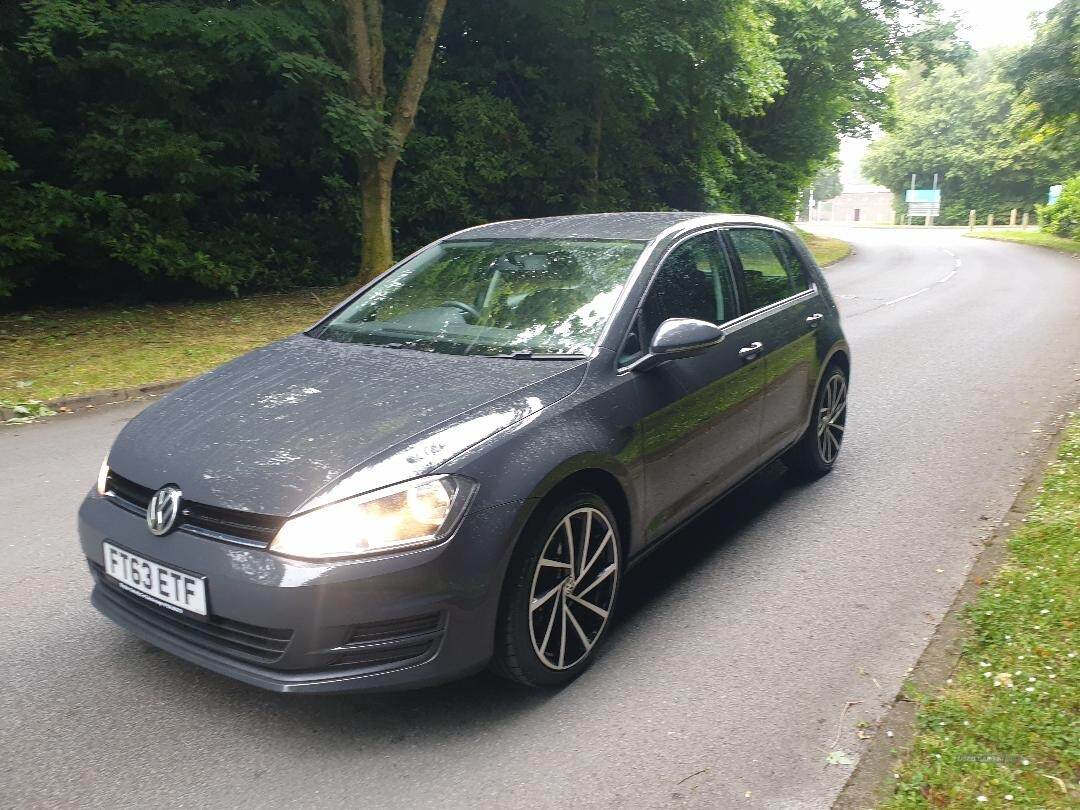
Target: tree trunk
{"x": 364, "y": 27}
{"x": 596, "y": 123}
{"x": 376, "y": 245}
{"x": 596, "y": 130}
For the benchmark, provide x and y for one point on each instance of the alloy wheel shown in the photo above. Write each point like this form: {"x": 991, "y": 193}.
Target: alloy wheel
{"x": 573, "y": 588}
{"x": 831, "y": 416}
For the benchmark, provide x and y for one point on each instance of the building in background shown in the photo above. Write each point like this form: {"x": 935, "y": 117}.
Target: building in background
{"x": 857, "y": 203}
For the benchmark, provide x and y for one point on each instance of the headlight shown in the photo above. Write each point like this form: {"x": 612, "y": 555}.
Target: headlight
{"x": 415, "y": 513}
{"x": 103, "y": 475}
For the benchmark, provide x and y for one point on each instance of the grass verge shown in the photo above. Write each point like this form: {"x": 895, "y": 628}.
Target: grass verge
{"x": 53, "y": 353}
{"x": 1031, "y": 238}
{"x": 1005, "y": 729}
{"x": 826, "y": 250}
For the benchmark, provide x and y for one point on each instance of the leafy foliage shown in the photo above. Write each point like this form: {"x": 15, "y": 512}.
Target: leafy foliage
{"x": 22, "y": 413}
{"x": 1049, "y": 70}
{"x": 835, "y": 55}
{"x": 174, "y": 146}
{"x": 827, "y": 184}
{"x": 1062, "y": 218}
{"x": 987, "y": 143}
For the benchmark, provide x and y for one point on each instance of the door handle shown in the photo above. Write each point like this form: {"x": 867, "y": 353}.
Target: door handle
{"x": 751, "y": 351}
{"x": 815, "y": 319}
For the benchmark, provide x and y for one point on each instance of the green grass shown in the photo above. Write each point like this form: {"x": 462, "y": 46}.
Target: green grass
{"x": 825, "y": 249}
{"x": 53, "y": 353}
{"x": 1032, "y": 238}
{"x": 1008, "y": 723}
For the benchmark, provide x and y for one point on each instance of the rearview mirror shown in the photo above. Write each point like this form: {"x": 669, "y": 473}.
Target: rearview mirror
{"x": 678, "y": 337}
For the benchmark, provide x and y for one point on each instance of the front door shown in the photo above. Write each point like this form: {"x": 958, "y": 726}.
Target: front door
{"x": 702, "y": 414}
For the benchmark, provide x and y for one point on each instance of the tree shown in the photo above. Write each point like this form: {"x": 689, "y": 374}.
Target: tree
{"x": 569, "y": 106}
{"x": 827, "y": 184}
{"x": 378, "y": 158}
{"x": 835, "y": 55}
{"x": 167, "y": 147}
{"x": 973, "y": 130}
{"x": 172, "y": 147}
{"x": 1048, "y": 71}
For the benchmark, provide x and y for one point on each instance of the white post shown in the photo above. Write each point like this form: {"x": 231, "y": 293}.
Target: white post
{"x": 971, "y": 219}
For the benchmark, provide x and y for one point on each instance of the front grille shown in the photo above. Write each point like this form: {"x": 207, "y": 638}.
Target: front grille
{"x": 390, "y": 643}
{"x": 129, "y": 491}
{"x": 399, "y": 628}
{"x": 227, "y": 525}
{"x": 380, "y": 657}
{"x": 248, "y": 642}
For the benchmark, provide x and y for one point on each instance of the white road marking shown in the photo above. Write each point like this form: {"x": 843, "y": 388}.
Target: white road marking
{"x": 942, "y": 280}
{"x": 905, "y": 297}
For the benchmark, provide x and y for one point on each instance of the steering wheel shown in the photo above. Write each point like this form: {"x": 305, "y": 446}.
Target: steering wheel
{"x": 468, "y": 309}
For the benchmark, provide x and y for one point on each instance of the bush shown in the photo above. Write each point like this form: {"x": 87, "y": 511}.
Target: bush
{"x": 166, "y": 149}
{"x": 1063, "y": 217}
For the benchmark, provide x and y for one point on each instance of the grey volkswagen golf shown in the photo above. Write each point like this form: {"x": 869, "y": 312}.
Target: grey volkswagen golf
{"x": 456, "y": 467}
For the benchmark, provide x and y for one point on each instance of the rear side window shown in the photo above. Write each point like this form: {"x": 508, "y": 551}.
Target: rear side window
{"x": 771, "y": 269}
{"x": 800, "y": 279}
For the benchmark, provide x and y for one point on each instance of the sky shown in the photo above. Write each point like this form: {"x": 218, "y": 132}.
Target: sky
{"x": 986, "y": 24}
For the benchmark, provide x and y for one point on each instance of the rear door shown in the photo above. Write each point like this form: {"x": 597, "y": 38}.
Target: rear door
{"x": 787, "y": 309}
{"x": 701, "y": 414}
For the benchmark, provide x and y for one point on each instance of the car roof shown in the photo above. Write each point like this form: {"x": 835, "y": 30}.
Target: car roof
{"x": 631, "y": 225}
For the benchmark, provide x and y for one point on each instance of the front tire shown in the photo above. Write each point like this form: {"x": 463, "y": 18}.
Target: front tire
{"x": 817, "y": 450}
{"x": 560, "y": 592}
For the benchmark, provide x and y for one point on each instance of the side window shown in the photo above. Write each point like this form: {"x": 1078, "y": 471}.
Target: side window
{"x": 800, "y": 279}
{"x": 693, "y": 282}
{"x": 770, "y": 272}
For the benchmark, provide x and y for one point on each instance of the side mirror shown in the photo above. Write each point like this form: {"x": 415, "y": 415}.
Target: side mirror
{"x": 678, "y": 337}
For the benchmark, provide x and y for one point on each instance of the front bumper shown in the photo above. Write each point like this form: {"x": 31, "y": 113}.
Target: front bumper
{"x": 402, "y": 621}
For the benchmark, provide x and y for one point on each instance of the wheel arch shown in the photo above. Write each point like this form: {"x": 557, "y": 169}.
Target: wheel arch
{"x": 590, "y": 474}
{"x": 838, "y": 353}
{"x": 842, "y": 357}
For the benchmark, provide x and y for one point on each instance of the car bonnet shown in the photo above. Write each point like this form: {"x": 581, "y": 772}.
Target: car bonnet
{"x": 293, "y": 424}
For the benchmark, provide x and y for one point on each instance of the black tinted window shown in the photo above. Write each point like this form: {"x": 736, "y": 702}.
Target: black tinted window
{"x": 771, "y": 269}
{"x": 693, "y": 282}
{"x": 796, "y": 271}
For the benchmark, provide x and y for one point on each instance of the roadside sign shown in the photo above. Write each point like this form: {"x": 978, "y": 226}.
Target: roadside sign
{"x": 923, "y": 195}
{"x": 923, "y": 202}
{"x": 924, "y": 209}
{"x": 1054, "y": 195}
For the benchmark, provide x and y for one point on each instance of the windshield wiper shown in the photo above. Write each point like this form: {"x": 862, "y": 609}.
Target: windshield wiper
{"x": 531, "y": 355}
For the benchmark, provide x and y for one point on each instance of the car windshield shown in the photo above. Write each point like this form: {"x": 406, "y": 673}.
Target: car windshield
{"x": 517, "y": 297}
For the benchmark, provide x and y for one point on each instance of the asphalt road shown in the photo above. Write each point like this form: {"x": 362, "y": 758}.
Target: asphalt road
{"x": 738, "y": 645}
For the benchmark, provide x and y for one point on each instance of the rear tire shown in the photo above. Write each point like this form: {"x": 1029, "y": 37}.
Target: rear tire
{"x": 559, "y": 593}
{"x": 816, "y": 452}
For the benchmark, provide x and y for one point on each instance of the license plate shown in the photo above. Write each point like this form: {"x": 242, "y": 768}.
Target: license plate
{"x": 176, "y": 590}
